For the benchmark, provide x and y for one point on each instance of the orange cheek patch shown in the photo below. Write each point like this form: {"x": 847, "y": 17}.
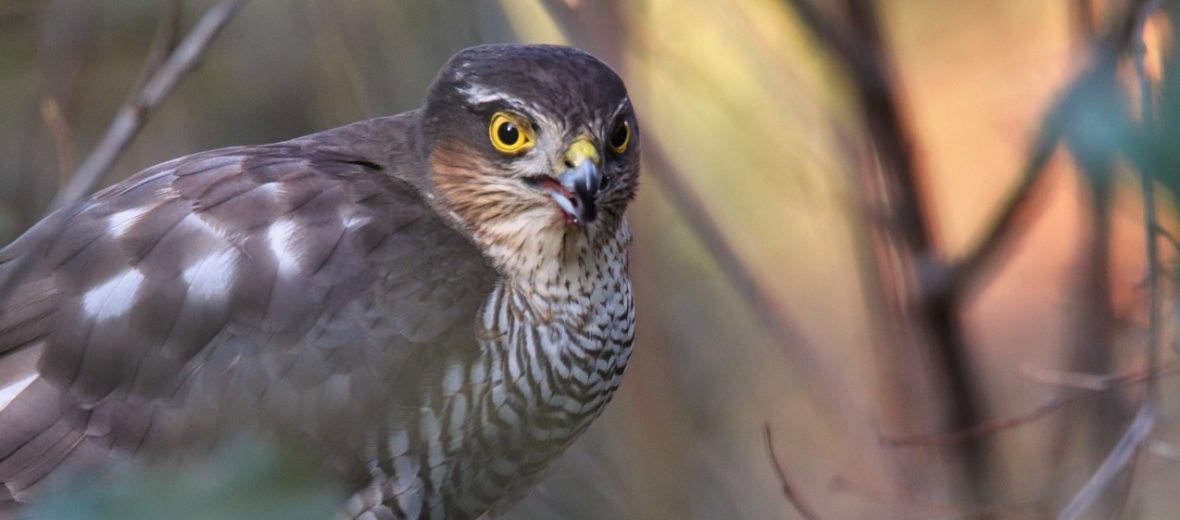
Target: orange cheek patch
{"x": 465, "y": 182}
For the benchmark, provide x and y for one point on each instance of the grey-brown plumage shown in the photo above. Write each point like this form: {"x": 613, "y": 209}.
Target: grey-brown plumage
{"x": 436, "y": 302}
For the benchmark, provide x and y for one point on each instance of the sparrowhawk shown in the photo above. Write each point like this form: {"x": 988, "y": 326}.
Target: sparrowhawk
{"x": 436, "y": 302}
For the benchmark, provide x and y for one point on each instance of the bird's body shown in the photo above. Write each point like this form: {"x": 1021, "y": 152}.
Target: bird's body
{"x": 437, "y": 315}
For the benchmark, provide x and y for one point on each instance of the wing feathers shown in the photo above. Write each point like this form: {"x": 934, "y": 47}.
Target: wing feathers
{"x": 273, "y": 281}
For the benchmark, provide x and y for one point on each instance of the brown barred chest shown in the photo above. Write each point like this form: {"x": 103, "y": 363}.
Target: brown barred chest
{"x": 548, "y": 364}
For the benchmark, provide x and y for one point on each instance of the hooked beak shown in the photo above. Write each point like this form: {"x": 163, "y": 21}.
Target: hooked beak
{"x": 579, "y": 183}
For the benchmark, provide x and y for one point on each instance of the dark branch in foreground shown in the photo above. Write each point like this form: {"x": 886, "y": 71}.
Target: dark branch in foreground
{"x": 933, "y": 323}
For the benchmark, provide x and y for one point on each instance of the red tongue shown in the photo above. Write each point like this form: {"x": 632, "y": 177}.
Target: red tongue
{"x": 550, "y": 183}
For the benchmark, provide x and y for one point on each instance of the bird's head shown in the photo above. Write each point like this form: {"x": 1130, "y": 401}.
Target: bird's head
{"x": 531, "y": 146}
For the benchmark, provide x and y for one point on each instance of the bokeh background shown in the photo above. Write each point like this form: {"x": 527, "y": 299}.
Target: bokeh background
{"x": 773, "y": 295}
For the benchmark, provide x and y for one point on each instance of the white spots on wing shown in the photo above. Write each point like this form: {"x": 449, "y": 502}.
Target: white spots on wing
{"x": 281, "y": 238}
{"x": 353, "y": 222}
{"x": 206, "y": 226}
{"x": 9, "y": 391}
{"x": 211, "y": 277}
{"x": 114, "y": 297}
{"x": 119, "y": 223}
{"x": 270, "y": 190}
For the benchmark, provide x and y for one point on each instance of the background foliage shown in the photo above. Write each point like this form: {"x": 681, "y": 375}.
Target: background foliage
{"x": 790, "y": 279}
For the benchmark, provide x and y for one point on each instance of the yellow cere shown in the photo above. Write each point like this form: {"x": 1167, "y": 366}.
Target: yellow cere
{"x": 582, "y": 148}
{"x": 510, "y": 134}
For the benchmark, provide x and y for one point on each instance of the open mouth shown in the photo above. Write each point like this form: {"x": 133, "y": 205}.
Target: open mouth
{"x": 569, "y": 204}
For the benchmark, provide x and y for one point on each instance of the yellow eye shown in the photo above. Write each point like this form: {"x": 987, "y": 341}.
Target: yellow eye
{"x": 509, "y": 134}
{"x": 620, "y": 137}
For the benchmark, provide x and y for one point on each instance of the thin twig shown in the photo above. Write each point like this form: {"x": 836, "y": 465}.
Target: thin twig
{"x": 1125, "y": 453}
{"x": 1067, "y": 379}
{"x": 1114, "y": 463}
{"x": 131, "y": 117}
{"x": 1050, "y": 405}
{"x": 789, "y": 491}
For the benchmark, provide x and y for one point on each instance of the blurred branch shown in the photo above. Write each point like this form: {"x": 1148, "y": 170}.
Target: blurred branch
{"x": 789, "y": 492}
{"x": 1119, "y": 457}
{"x": 964, "y": 273}
{"x": 932, "y": 325}
{"x": 130, "y": 118}
{"x": 164, "y": 77}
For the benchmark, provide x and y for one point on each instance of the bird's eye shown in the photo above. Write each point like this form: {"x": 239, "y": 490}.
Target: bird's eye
{"x": 509, "y": 134}
{"x": 620, "y": 137}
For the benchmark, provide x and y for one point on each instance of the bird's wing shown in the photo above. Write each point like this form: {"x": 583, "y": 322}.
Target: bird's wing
{"x": 271, "y": 280}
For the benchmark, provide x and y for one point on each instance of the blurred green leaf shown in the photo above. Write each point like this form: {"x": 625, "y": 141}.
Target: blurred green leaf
{"x": 248, "y": 480}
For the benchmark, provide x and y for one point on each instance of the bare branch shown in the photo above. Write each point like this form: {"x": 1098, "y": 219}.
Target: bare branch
{"x": 135, "y": 111}
{"x": 132, "y": 115}
{"x": 1119, "y": 457}
{"x": 967, "y": 271}
{"x": 788, "y": 490}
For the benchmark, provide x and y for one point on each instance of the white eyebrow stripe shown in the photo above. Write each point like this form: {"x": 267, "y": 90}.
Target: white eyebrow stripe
{"x": 478, "y": 94}
{"x": 623, "y": 105}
